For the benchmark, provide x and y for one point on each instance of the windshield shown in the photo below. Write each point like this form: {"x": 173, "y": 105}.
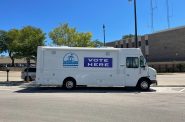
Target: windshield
{"x": 142, "y": 61}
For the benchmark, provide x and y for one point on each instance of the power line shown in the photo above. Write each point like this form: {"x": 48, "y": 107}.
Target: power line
{"x": 152, "y": 8}
{"x": 168, "y": 13}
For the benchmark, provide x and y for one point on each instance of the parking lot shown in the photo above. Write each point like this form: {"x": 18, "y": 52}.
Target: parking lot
{"x": 91, "y": 104}
{"x": 45, "y": 104}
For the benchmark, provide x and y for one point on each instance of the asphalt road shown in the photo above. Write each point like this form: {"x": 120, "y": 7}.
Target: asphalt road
{"x": 165, "y": 104}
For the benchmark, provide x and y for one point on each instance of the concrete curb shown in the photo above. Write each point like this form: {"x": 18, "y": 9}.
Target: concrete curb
{"x": 169, "y": 86}
{"x": 12, "y": 83}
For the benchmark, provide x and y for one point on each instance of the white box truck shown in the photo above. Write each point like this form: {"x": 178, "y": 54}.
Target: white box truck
{"x": 107, "y": 67}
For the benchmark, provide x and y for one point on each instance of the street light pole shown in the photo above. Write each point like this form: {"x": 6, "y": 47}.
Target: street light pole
{"x": 135, "y": 18}
{"x": 7, "y": 71}
{"x": 135, "y": 14}
{"x": 104, "y": 34}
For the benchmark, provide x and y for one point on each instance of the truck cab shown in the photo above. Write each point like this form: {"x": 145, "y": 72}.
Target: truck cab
{"x": 136, "y": 71}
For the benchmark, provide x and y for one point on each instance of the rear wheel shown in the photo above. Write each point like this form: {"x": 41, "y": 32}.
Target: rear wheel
{"x": 143, "y": 84}
{"x": 69, "y": 84}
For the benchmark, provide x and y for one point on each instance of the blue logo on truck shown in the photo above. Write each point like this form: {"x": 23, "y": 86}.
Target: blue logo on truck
{"x": 98, "y": 62}
{"x": 70, "y": 60}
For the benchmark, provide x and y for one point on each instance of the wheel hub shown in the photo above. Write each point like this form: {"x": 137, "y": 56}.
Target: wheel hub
{"x": 69, "y": 84}
{"x": 144, "y": 85}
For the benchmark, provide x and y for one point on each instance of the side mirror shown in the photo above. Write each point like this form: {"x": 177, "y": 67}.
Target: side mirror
{"x": 143, "y": 66}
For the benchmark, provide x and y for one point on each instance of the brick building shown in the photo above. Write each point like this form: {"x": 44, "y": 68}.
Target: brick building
{"x": 160, "y": 47}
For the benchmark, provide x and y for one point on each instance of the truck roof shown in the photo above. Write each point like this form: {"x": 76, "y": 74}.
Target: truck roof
{"x": 89, "y": 48}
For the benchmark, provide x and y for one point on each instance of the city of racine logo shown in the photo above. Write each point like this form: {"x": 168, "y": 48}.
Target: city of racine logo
{"x": 70, "y": 60}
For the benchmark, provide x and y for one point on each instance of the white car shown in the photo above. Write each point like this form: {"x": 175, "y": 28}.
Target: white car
{"x": 31, "y": 74}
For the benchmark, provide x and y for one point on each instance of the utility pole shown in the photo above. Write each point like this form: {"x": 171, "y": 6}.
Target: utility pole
{"x": 152, "y": 15}
{"x": 104, "y": 34}
{"x": 168, "y": 14}
{"x": 135, "y": 20}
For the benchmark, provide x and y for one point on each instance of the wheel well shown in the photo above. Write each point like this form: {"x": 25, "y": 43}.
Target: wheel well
{"x": 69, "y": 78}
{"x": 143, "y": 78}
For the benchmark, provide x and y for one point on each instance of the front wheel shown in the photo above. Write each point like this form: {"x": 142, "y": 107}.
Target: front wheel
{"x": 69, "y": 84}
{"x": 143, "y": 84}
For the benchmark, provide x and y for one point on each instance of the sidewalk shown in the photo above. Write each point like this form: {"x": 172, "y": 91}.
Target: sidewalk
{"x": 171, "y": 79}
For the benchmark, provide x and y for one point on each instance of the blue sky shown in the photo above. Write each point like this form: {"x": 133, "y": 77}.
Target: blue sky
{"x": 90, "y": 15}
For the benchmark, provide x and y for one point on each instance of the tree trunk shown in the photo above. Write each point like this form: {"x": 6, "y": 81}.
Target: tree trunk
{"x": 13, "y": 62}
{"x": 12, "y": 58}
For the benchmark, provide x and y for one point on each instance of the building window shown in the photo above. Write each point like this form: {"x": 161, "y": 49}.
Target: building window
{"x": 146, "y": 42}
{"x": 127, "y": 46}
{"x": 121, "y": 45}
{"x": 133, "y": 44}
{"x": 139, "y": 43}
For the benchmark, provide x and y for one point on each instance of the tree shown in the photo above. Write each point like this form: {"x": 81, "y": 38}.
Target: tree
{"x": 3, "y": 41}
{"x": 128, "y": 36}
{"x": 83, "y": 40}
{"x": 97, "y": 43}
{"x": 65, "y": 35}
{"x": 13, "y": 35}
{"x": 7, "y": 43}
{"x": 28, "y": 40}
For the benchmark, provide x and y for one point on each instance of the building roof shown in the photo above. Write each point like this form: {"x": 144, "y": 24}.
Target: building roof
{"x": 170, "y": 29}
{"x": 157, "y": 32}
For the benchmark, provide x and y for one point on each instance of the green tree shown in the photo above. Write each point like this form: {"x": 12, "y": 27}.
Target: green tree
{"x": 65, "y": 35}
{"x": 128, "y": 36}
{"x": 13, "y": 35}
{"x": 28, "y": 40}
{"x": 97, "y": 43}
{"x": 3, "y": 41}
{"x": 83, "y": 40}
{"x": 7, "y": 43}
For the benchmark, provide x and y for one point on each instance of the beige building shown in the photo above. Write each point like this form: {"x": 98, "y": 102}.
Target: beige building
{"x": 167, "y": 45}
{"x": 164, "y": 46}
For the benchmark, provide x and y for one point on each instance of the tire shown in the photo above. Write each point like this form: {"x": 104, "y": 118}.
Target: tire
{"x": 29, "y": 78}
{"x": 143, "y": 84}
{"x": 69, "y": 84}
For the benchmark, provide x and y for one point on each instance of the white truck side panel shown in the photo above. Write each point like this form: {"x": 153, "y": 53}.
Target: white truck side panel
{"x": 53, "y": 71}
{"x": 54, "y": 64}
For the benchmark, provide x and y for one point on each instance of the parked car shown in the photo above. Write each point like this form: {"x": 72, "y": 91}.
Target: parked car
{"x": 31, "y": 74}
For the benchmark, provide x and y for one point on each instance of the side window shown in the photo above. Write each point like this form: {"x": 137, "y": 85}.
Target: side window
{"x": 32, "y": 69}
{"x": 132, "y": 62}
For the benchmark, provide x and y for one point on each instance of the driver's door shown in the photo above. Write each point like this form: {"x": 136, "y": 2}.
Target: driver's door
{"x": 132, "y": 70}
